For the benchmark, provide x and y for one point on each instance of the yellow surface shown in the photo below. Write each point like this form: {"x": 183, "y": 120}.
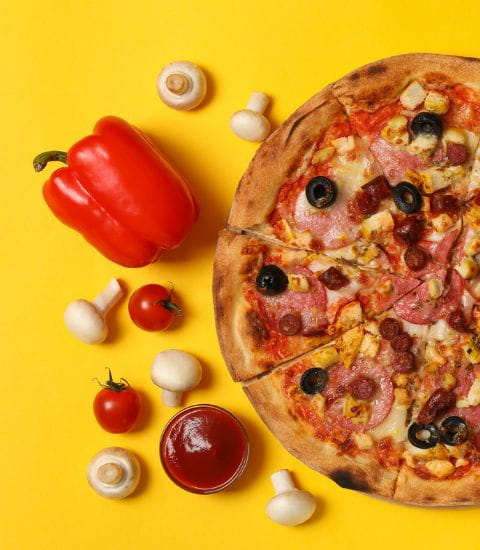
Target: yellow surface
{"x": 65, "y": 64}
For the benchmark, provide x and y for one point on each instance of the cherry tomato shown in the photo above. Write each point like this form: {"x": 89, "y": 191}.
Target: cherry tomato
{"x": 116, "y": 406}
{"x": 151, "y": 307}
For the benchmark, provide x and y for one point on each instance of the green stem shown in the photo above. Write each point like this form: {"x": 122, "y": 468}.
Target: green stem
{"x": 41, "y": 160}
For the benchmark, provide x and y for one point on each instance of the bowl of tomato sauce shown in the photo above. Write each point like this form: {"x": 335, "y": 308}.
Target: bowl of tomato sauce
{"x": 204, "y": 449}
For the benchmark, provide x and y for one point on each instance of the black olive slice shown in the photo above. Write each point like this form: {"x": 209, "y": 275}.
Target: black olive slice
{"x": 426, "y": 123}
{"x": 423, "y": 436}
{"x": 314, "y": 380}
{"x": 321, "y": 192}
{"x": 453, "y": 430}
{"x": 407, "y": 197}
{"x": 271, "y": 280}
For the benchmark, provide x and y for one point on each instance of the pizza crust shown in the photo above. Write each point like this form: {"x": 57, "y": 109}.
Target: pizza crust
{"x": 241, "y": 336}
{"x": 257, "y": 191}
{"x": 362, "y": 473}
{"x": 381, "y": 82}
{"x": 411, "y": 489}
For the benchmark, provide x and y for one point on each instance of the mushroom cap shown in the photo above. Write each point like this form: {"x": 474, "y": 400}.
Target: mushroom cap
{"x": 175, "y": 370}
{"x": 249, "y": 125}
{"x": 291, "y": 508}
{"x": 191, "y": 94}
{"x": 85, "y": 321}
{"x": 117, "y": 487}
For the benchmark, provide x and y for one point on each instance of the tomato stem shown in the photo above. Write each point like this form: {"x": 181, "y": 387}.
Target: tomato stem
{"x": 41, "y": 160}
{"x": 112, "y": 385}
{"x": 169, "y": 305}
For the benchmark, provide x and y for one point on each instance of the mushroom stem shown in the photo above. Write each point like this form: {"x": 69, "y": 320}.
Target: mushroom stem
{"x": 171, "y": 398}
{"x": 258, "y": 102}
{"x": 110, "y": 473}
{"x": 109, "y": 296}
{"x": 282, "y": 481}
{"x": 178, "y": 83}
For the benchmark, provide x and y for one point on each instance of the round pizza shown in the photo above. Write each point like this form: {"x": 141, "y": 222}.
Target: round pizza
{"x": 347, "y": 281}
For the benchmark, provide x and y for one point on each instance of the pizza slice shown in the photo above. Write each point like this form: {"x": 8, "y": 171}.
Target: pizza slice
{"x": 440, "y": 464}
{"x": 274, "y": 303}
{"x": 420, "y": 115}
{"x": 315, "y": 185}
{"x": 343, "y": 408}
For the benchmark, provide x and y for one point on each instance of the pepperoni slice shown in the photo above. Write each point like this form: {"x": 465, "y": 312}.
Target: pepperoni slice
{"x": 310, "y": 307}
{"x": 401, "y": 342}
{"x": 415, "y": 258}
{"x": 341, "y": 377}
{"x": 366, "y": 203}
{"x": 389, "y": 328}
{"x": 456, "y": 154}
{"x": 363, "y": 388}
{"x": 290, "y": 324}
{"x": 333, "y": 278}
{"x": 456, "y": 319}
{"x": 439, "y": 402}
{"x": 409, "y": 230}
{"x": 404, "y": 362}
{"x": 441, "y": 202}
{"x": 378, "y": 187}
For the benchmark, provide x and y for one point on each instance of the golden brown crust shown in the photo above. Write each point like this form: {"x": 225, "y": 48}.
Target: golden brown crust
{"x": 412, "y": 489}
{"x": 381, "y": 82}
{"x": 362, "y": 473}
{"x": 242, "y": 335}
{"x": 278, "y": 158}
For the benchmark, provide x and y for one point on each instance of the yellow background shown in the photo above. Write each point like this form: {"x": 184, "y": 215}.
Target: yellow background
{"x": 66, "y": 64}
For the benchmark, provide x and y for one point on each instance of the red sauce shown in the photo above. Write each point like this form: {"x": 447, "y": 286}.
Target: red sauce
{"x": 204, "y": 449}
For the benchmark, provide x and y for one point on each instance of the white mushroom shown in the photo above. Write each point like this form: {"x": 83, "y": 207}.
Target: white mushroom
{"x": 289, "y": 506}
{"x": 250, "y": 124}
{"x": 114, "y": 472}
{"x": 175, "y": 371}
{"x": 86, "y": 320}
{"x": 182, "y": 85}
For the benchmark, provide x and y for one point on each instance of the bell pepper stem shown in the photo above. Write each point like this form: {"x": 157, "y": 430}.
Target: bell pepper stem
{"x": 41, "y": 160}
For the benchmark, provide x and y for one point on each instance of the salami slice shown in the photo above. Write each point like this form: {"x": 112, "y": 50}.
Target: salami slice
{"x": 440, "y": 250}
{"x": 310, "y": 306}
{"x": 385, "y": 292}
{"x": 341, "y": 377}
{"x": 419, "y": 308}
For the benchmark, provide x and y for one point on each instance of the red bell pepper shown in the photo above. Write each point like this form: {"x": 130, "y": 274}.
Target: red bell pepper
{"x": 121, "y": 193}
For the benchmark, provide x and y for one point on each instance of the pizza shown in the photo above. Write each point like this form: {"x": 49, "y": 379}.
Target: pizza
{"x": 347, "y": 281}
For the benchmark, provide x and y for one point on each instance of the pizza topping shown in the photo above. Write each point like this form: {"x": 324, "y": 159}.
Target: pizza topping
{"x": 333, "y": 279}
{"x": 413, "y": 95}
{"x": 322, "y": 155}
{"x": 440, "y": 202}
{"x": 440, "y": 401}
{"x": 409, "y": 230}
{"x": 321, "y": 192}
{"x": 271, "y": 280}
{"x": 381, "y": 222}
{"x": 453, "y": 430}
{"x": 457, "y": 321}
{"x": 435, "y": 288}
{"x": 426, "y": 123}
{"x": 290, "y": 324}
{"x": 344, "y": 144}
{"x": 396, "y": 131}
{"x": 366, "y": 203}
{"x": 403, "y": 362}
{"x": 468, "y": 268}
{"x": 389, "y": 328}
{"x": 456, "y": 154}
{"x": 359, "y": 412}
{"x": 348, "y": 345}
{"x": 326, "y": 357}
{"x": 423, "y": 436}
{"x": 402, "y": 342}
{"x": 314, "y": 380}
{"x": 436, "y": 103}
{"x": 436, "y": 178}
{"x": 415, "y": 258}
{"x": 363, "y": 388}
{"x": 370, "y": 345}
{"x": 423, "y": 145}
{"x": 298, "y": 283}
{"x": 440, "y": 468}
{"x": 407, "y": 197}
{"x": 378, "y": 187}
